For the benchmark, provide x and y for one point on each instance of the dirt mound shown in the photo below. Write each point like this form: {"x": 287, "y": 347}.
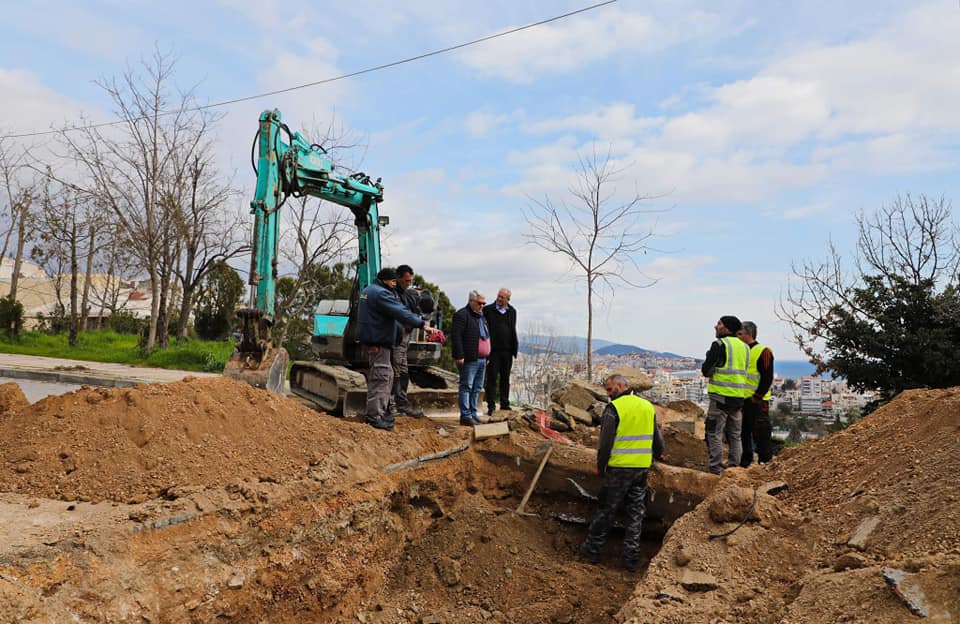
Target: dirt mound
{"x": 11, "y": 398}
{"x": 870, "y": 517}
{"x": 132, "y": 444}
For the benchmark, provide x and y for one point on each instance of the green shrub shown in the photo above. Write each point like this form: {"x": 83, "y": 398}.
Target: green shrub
{"x": 11, "y": 316}
{"x": 124, "y": 322}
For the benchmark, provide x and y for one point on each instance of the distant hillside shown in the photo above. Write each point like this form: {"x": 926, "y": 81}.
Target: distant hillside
{"x": 578, "y": 344}
{"x": 559, "y": 344}
{"x": 622, "y": 349}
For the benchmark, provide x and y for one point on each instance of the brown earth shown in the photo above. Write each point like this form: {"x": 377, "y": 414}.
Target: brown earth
{"x": 207, "y": 500}
{"x": 898, "y": 467}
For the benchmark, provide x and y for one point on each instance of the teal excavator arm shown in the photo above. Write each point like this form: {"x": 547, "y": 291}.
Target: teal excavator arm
{"x": 289, "y": 165}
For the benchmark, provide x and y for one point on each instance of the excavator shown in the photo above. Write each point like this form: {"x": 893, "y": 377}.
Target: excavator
{"x": 289, "y": 165}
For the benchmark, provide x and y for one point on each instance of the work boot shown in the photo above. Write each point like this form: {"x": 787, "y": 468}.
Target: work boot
{"x": 506, "y": 408}
{"x": 413, "y": 413}
{"x": 587, "y": 556}
{"x": 469, "y": 422}
{"x": 381, "y": 424}
{"x": 631, "y": 565}
{"x": 491, "y": 409}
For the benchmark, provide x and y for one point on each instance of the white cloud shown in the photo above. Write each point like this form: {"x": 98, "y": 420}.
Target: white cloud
{"x": 617, "y": 119}
{"x": 91, "y": 32}
{"x": 30, "y": 106}
{"x": 563, "y": 46}
{"x": 481, "y": 123}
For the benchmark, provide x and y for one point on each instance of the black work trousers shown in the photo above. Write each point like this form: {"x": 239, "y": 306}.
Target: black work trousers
{"x": 627, "y": 486}
{"x": 755, "y": 434}
{"x": 499, "y": 364}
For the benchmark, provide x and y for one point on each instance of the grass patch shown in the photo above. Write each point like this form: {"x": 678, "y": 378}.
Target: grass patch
{"x": 109, "y": 346}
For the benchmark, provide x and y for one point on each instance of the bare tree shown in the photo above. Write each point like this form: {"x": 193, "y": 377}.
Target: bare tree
{"x": 540, "y": 368}
{"x": 63, "y": 232}
{"x": 114, "y": 260}
{"x": 209, "y": 231}
{"x": 599, "y": 235}
{"x": 129, "y": 167}
{"x": 20, "y": 192}
{"x": 882, "y": 318}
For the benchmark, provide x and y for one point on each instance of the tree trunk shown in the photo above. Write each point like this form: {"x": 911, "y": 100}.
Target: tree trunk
{"x": 589, "y": 330}
{"x": 85, "y": 304}
{"x": 154, "y": 308}
{"x": 74, "y": 270}
{"x": 186, "y": 309}
{"x": 21, "y": 241}
{"x": 162, "y": 334}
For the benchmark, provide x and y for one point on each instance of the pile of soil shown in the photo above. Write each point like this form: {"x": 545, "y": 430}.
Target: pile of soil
{"x": 876, "y": 500}
{"x": 11, "y": 398}
{"x": 132, "y": 444}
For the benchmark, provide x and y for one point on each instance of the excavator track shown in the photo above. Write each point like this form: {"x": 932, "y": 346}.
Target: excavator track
{"x": 342, "y": 391}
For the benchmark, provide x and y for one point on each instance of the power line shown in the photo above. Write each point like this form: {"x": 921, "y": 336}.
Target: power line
{"x": 327, "y": 80}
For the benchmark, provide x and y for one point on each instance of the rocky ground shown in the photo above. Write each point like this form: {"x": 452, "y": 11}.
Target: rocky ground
{"x": 206, "y": 500}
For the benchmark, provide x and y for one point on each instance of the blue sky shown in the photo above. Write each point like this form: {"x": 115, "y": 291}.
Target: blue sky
{"x": 762, "y": 127}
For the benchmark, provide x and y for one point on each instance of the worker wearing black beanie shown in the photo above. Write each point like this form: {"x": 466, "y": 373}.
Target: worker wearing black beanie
{"x": 726, "y": 367}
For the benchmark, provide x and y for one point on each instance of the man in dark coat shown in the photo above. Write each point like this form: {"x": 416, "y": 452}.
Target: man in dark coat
{"x": 470, "y": 342}
{"x": 399, "y": 402}
{"x": 502, "y": 321}
{"x": 380, "y": 316}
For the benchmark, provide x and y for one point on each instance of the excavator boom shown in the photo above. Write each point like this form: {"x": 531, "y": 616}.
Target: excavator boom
{"x": 289, "y": 165}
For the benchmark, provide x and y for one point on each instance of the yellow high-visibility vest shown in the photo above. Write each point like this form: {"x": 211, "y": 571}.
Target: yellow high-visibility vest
{"x": 731, "y": 380}
{"x": 633, "y": 446}
{"x": 753, "y": 373}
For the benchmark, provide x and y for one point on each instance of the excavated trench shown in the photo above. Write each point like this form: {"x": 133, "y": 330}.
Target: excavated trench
{"x": 434, "y": 539}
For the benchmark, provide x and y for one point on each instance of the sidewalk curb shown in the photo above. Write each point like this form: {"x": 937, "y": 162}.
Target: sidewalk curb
{"x": 72, "y": 377}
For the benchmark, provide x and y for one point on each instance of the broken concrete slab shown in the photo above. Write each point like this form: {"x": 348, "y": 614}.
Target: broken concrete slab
{"x": 491, "y": 430}
{"x": 694, "y": 581}
{"x": 861, "y": 536}
{"x": 581, "y": 416}
{"x": 773, "y": 487}
{"x": 577, "y": 395}
{"x": 908, "y": 590}
{"x": 637, "y": 380}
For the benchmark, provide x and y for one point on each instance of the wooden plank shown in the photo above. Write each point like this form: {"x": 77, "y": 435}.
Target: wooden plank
{"x": 491, "y": 430}
{"x": 536, "y": 477}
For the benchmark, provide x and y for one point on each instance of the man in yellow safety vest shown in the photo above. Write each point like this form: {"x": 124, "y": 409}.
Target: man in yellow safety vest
{"x": 629, "y": 441}
{"x": 726, "y": 367}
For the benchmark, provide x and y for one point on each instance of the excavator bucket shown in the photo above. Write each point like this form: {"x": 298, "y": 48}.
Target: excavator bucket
{"x": 265, "y": 369}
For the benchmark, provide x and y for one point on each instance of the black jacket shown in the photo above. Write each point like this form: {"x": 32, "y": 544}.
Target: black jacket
{"x": 503, "y": 329}
{"x": 379, "y": 315}
{"x": 465, "y": 334}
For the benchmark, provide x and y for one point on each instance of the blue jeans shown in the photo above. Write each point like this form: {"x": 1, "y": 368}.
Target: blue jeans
{"x": 471, "y": 381}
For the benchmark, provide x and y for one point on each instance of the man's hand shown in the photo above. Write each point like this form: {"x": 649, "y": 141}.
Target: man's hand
{"x": 756, "y": 399}
{"x": 435, "y": 335}
{"x": 458, "y": 362}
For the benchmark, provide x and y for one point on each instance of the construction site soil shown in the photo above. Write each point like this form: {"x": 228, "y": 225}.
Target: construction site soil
{"x": 206, "y": 500}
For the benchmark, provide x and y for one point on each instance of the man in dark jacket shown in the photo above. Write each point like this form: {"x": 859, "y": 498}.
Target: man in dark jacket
{"x": 502, "y": 321}
{"x": 629, "y": 441}
{"x": 470, "y": 343}
{"x": 756, "y": 430}
{"x": 380, "y": 316}
{"x": 399, "y": 402}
